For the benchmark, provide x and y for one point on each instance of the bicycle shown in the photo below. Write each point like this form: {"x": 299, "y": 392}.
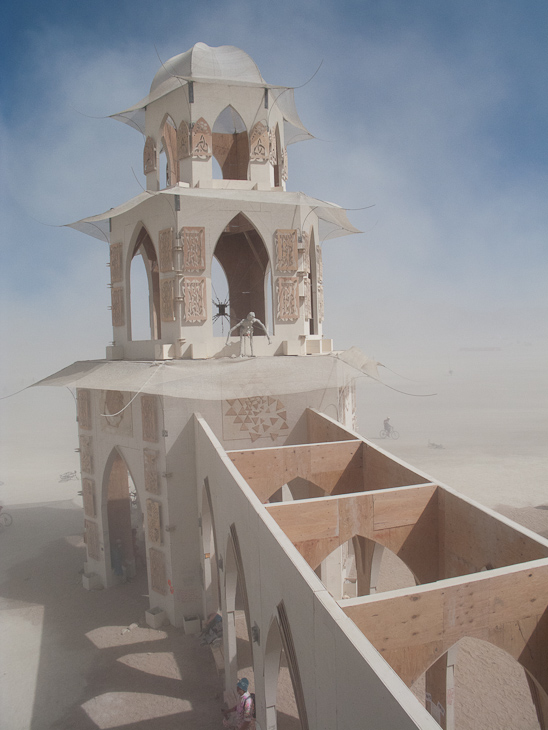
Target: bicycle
{"x": 5, "y": 519}
{"x": 392, "y": 434}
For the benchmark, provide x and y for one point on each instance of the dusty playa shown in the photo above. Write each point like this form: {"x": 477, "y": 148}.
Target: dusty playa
{"x": 70, "y": 658}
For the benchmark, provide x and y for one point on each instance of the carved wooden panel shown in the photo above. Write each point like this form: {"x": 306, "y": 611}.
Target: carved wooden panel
{"x": 286, "y": 250}
{"x": 86, "y": 454}
{"x": 319, "y": 263}
{"x": 284, "y": 164}
{"x": 320, "y": 303}
{"x": 158, "y": 578}
{"x": 116, "y": 412}
{"x": 183, "y": 141}
{"x": 258, "y": 143}
{"x": 152, "y": 482}
{"x": 154, "y": 522}
{"x": 272, "y": 147}
{"x": 193, "y": 249}
{"x": 307, "y": 299}
{"x": 117, "y": 300}
{"x": 149, "y": 156}
{"x": 149, "y": 418}
{"x": 165, "y": 247}
{"x": 305, "y": 246}
{"x": 83, "y": 402}
{"x": 88, "y": 495}
{"x": 116, "y": 271}
{"x": 91, "y": 532}
{"x": 167, "y": 300}
{"x": 201, "y": 139}
{"x": 287, "y": 298}
{"x": 194, "y": 295}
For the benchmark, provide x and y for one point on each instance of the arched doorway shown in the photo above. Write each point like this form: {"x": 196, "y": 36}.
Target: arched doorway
{"x": 244, "y": 259}
{"x": 124, "y": 518}
{"x": 231, "y": 144}
{"x": 144, "y": 248}
{"x": 237, "y": 629}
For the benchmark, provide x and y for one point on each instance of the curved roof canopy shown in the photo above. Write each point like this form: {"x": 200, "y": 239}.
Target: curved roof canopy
{"x": 333, "y": 221}
{"x": 215, "y": 65}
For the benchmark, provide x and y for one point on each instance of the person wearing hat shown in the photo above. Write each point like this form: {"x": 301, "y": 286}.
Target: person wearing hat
{"x": 243, "y": 719}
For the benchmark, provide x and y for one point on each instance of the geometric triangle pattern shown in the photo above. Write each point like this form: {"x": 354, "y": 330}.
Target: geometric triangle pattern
{"x": 257, "y": 417}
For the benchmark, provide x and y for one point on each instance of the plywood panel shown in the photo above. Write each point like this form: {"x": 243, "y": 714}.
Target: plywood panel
{"x": 335, "y": 466}
{"x": 321, "y": 429}
{"x": 308, "y": 520}
{"x": 401, "y": 507}
{"x": 506, "y": 610}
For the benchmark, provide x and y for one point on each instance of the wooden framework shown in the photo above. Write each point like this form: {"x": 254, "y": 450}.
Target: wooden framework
{"x": 481, "y": 575}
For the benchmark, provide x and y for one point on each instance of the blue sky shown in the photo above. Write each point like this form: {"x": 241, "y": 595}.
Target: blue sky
{"x": 435, "y": 113}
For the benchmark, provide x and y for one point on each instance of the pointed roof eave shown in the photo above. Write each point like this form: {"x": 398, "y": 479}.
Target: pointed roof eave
{"x": 333, "y": 221}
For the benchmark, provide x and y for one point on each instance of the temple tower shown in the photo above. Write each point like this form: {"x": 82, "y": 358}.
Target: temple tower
{"x": 216, "y": 164}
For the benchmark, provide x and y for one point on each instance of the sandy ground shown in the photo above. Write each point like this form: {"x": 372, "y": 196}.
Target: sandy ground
{"x": 78, "y": 659}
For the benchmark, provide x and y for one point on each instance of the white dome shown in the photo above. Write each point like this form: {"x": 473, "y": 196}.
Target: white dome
{"x": 221, "y": 63}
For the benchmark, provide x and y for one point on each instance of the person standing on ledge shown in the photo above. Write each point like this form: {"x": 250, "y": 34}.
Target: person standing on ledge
{"x": 246, "y": 330}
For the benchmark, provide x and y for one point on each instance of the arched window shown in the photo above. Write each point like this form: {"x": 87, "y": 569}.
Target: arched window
{"x": 168, "y": 154}
{"x": 145, "y": 284}
{"x": 244, "y": 259}
{"x": 231, "y": 145}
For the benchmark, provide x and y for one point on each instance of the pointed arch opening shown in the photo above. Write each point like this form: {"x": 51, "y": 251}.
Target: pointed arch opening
{"x": 124, "y": 518}
{"x": 168, "y": 153}
{"x": 231, "y": 144}
{"x": 210, "y": 568}
{"x": 277, "y": 158}
{"x": 144, "y": 290}
{"x": 244, "y": 259}
{"x": 221, "y": 299}
{"x": 281, "y": 706}
{"x": 238, "y": 628}
{"x": 453, "y": 689}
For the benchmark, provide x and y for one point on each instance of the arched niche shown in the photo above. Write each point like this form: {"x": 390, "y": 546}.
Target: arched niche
{"x": 244, "y": 259}
{"x": 231, "y": 144}
{"x": 144, "y": 248}
{"x": 276, "y": 155}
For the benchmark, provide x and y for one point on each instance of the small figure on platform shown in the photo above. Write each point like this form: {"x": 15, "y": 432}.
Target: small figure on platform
{"x": 246, "y": 331}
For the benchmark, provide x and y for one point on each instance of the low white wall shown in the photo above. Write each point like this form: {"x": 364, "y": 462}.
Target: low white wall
{"x": 346, "y": 683}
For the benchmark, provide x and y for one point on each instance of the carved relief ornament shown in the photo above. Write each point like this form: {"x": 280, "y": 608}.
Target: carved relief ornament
{"x": 307, "y": 299}
{"x": 201, "y": 139}
{"x": 152, "y": 483}
{"x": 91, "y": 531}
{"x": 193, "y": 249}
{"x": 154, "y": 526}
{"x": 83, "y": 408}
{"x": 272, "y": 147}
{"x": 158, "y": 578}
{"x": 284, "y": 164}
{"x": 287, "y": 298}
{"x": 116, "y": 271}
{"x": 259, "y": 143}
{"x": 167, "y": 299}
{"x": 286, "y": 250}
{"x": 149, "y": 156}
{"x": 86, "y": 454}
{"x": 194, "y": 296}
{"x": 165, "y": 247}
{"x": 320, "y": 303}
{"x": 117, "y": 301}
{"x": 149, "y": 418}
{"x": 88, "y": 496}
{"x": 183, "y": 141}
